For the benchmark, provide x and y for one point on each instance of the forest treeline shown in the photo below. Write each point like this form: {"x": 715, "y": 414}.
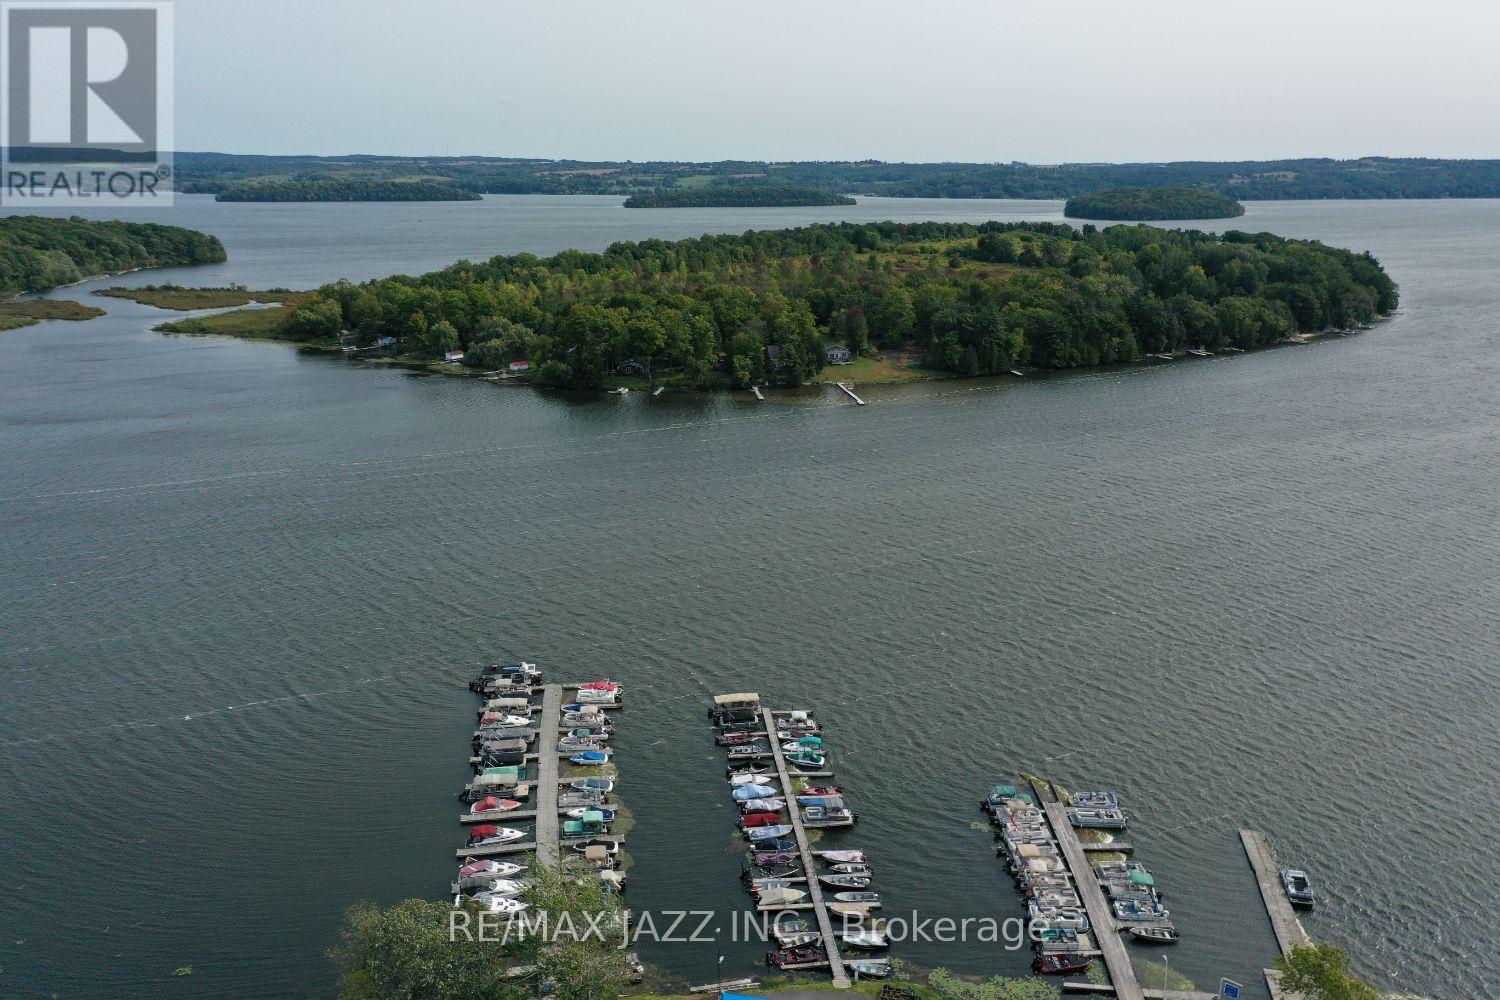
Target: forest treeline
{"x": 722, "y": 310}
{"x": 1144, "y": 204}
{"x": 736, "y": 196}
{"x": 1368, "y": 177}
{"x": 341, "y": 190}
{"x": 38, "y": 252}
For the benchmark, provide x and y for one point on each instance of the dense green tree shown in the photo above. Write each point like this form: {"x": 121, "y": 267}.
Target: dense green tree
{"x": 38, "y": 252}
{"x": 1322, "y": 972}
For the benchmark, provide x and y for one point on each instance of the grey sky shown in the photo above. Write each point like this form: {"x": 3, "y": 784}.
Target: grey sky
{"x": 834, "y": 79}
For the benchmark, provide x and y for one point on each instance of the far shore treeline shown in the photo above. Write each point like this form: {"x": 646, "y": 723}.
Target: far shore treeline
{"x": 341, "y": 190}
{"x": 39, "y": 252}
{"x": 1146, "y": 204}
{"x": 972, "y": 300}
{"x": 737, "y": 196}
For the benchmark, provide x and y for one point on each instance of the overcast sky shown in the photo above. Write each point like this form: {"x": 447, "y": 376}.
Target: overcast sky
{"x": 841, "y": 79}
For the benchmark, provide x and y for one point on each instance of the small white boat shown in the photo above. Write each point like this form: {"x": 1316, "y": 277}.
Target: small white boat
{"x": 504, "y": 887}
{"x": 868, "y": 940}
{"x": 843, "y": 857}
{"x": 505, "y": 906}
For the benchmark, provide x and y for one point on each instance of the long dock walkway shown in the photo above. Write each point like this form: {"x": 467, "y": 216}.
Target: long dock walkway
{"x": 825, "y": 924}
{"x": 546, "y": 782}
{"x": 1289, "y": 931}
{"x": 1101, "y": 918}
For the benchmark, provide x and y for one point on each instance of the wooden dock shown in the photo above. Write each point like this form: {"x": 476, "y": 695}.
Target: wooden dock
{"x": 547, "y": 766}
{"x": 495, "y": 816}
{"x": 850, "y": 391}
{"x": 815, "y": 893}
{"x": 1105, "y": 931}
{"x": 1116, "y": 847}
{"x": 1289, "y": 932}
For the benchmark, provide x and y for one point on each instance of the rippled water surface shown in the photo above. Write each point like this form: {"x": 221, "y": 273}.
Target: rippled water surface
{"x": 243, "y": 589}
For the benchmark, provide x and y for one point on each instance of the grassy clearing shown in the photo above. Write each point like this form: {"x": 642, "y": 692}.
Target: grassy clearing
{"x": 249, "y": 324}
{"x": 886, "y": 368}
{"x": 24, "y": 312}
{"x": 185, "y": 299}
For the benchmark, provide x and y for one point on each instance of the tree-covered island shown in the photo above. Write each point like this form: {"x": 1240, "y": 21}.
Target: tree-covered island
{"x": 737, "y": 196}
{"x": 41, "y": 252}
{"x": 341, "y": 189}
{"x": 1146, "y": 204}
{"x": 763, "y": 306}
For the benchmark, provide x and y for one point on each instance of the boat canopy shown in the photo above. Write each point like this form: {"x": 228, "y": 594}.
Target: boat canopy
{"x": 797, "y": 716}
{"x": 1141, "y": 878}
{"x": 1003, "y": 792}
{"x": 810, "y": 741}
{"x": 495, "y": 780}
{"x": 744, "y": 698}
{"x": 593, "y": 816}
{"x": 596, "y": 853}
{"x": 486, "y": 830}
{"x": 495, "y": 703}
{"x": 781, "y": 895}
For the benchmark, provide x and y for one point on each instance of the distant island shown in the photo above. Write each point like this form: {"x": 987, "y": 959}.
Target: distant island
{"x": 1365, "y": 177}
{"x": 737, "y": 196}
{"x": 38, "y": 252}
{"x": 775, "y": 307}
{"x": 341, "y": 190}
{"x": 1147, "y": 204}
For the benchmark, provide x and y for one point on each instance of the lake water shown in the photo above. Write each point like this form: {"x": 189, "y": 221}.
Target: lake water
{"x": 243, "y": 589}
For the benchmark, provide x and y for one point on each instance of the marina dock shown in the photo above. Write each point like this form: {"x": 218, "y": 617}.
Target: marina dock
{"x": 1289, "y": 930}
{"x": 1106, "y": 931}
{"x": 546, "y": 784}
{"x": 814, "y": 891}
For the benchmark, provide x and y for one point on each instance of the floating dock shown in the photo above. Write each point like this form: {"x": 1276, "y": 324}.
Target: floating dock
{"x": 1289, "y": 931}
{"x": 848, "y": 389}
{"x": 815, "y": 893}
{"x": 1105, "y": 930}
{"x": 546, "y": 784}
{"x": 756, "y": 389}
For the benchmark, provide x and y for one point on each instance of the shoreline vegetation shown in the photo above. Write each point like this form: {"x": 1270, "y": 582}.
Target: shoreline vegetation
{"x": 184, "y": 299}
{"x": 737, "y": 196}
{"x": 38, "y": 253}
{"x": 1147, "y": 204}
{"x": 313, "y": 189}
{"x": 1365, "y": 177}
{"x": 775, "y": 307}
{"x": 28, "y": 312}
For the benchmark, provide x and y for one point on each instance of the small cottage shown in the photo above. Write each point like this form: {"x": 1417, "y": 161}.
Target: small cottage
{"x": 839, "y": 355}
{"x": 452, "y": 357}
{"x": 518, "y": 366}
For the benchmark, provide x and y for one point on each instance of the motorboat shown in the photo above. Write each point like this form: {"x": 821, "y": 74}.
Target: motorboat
{"x": 806, "y": 743}
{"x": 1095, "y": 800}
{"x": 1155, "y": 934}
{"x": 1130, "y": 910}
{"x": 845, "y": 881}
{"x": 752, "y": 790}
{"x": 816, "y": 790}
{"x": 492, "y": 836}
{"x": 767, "y": 884}
{"x": 820, "y": 800}
{"x": 748, "y": 751}
{"x": 765, "y": 833}
{"x": 490, "y": 868}
{"x": 785, "y": 928}
{"x": 573, "y": 799}
{"x": 590, "y": 758}
{"x": 852, "y": 869}
{"x": 842, "y": 857}
{"x": 511, "y": 887}
{"x": 781, "y": 896}
{"x": 764, "y": 858}
{"x": 581, "y": 812}
{"x": 737, "y": 738}
{"x": 749, "y": 725}
{"x": 866, "y": 940}
{"x": 1100, "y": 819}
{"x": 857, "y": 897}
{"x": 997, "y": 797}
{"x": 751, "y": 768}
{"x": 802, "y": 957}
{"x": 748, "y": 777}
{"x": 754, "y": 874}
{"x": 759, "y": 819}
{"x": 611, "y": 847}
{"x": 506, "y": 785}
{"x": 1298, "y": 888}
{"x": 1065, "y": 917}
{"x": 1057, "y": 965}
{"x": 730, "y": 709}
{"x": 807, "y": 760}
{"x": 600, "y": 693}
{"x": 869, "y": 968}
{"x": 505, "y": 906}
{"x": 593, "y": 821}
{"x": 825, "y": 816}
{"x": 762, "y": 805}
{"x": 775, "y": 844}
{"x": 494, "y": 804}
{"x": 503, "y": 720}
{"x": 593, "y": 784}
{"x": 579, "y": 744}
{"x": 850, "y": 911}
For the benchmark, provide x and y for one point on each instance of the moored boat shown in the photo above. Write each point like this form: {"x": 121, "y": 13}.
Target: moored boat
{"x": 590, "y": 758}
{"x": 593, "y": 784}
{"x": 764, "y": 833}
{"x": 870, "y": 968}
{"x": 866, "y": 939}
{"x": 842, "y": 857}
{"x": 869, "y": 898}
{"x": 1056, "y": 965}
{"x": 845, "y": 881}
{"x": 492, "y": 836}
{"x": 1298, "y": 888}
{"x": 1155, "y": 933}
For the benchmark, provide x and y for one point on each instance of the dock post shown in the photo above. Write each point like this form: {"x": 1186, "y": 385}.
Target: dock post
{"x": 825, "y": 924}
